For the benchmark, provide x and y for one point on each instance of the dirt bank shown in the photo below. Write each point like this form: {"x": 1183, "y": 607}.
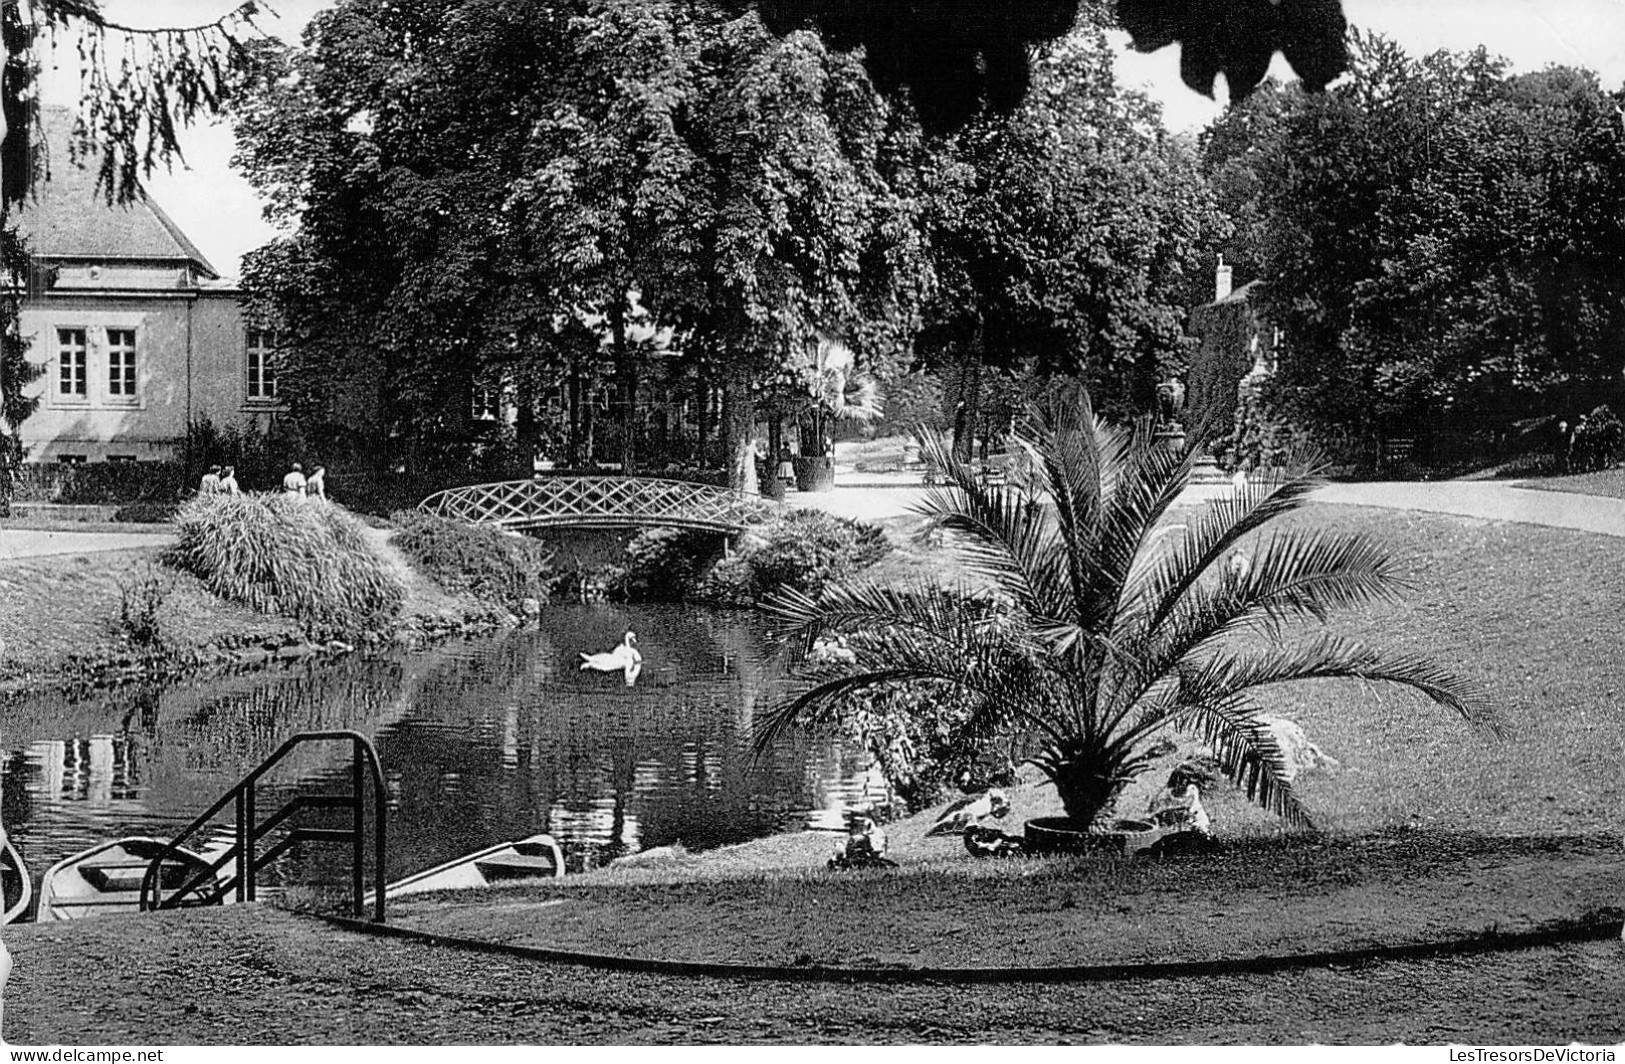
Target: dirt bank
{"x": 61, "y": 626}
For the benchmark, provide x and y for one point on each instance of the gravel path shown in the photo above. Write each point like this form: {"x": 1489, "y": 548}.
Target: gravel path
{"x": 878, "y": 496}
{"x": 248, "y": 975}
{"x": 20, "y": 543}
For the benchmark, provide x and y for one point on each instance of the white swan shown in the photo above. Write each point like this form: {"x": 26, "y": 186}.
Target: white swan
{"x": 624, "y": 658}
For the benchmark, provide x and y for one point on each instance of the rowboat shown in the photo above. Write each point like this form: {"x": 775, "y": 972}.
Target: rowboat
{"x": 16, "y": 888}
{"x": 107, "y": 879}
{"x": 537, "y": 857}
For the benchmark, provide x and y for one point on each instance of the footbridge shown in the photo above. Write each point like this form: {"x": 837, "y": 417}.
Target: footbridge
{"x": 599, "y": 502}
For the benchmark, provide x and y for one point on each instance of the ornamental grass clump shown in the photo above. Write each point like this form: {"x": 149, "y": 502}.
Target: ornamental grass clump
{"x": 302, "y": 559}
{"x": 1093, "y": 625}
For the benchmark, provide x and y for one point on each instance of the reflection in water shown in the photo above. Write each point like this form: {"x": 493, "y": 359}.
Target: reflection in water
{"x": 481, "y": 742}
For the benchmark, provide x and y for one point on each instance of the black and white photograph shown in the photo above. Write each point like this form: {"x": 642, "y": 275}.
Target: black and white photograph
{"x": 867, "y": 523}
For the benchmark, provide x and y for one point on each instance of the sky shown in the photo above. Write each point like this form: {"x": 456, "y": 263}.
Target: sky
{"x": 220, "y": 212}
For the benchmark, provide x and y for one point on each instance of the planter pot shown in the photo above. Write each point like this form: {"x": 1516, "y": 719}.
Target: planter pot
{"x": 1059, "y": 834}
{"x": 815, "y": 474}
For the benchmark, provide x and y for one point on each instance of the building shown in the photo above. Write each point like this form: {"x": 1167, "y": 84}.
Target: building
{"x": 1234, "y": 344}
{"x": 136, "y": 332}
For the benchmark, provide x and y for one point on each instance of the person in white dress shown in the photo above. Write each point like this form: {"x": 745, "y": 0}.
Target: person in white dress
{"x": 293, "y": 485}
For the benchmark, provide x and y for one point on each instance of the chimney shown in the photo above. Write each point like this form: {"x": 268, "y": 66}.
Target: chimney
{"x": 1221, "y": 282}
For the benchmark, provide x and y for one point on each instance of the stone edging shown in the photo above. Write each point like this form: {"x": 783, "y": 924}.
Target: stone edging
{"x": 1556, "y": 933}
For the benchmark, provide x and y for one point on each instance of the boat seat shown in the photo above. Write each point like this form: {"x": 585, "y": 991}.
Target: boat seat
{"x": 112, "y": 878}
{"x": 516, "y": 866}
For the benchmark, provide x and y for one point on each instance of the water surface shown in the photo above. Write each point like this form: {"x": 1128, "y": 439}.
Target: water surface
{"x": 482, "y": 741}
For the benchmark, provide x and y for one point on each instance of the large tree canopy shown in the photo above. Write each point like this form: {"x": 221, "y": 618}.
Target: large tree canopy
{"x": 1441, "y": 240}
{"x": 474, "y": 171}
{"x": 1061, "y": 235}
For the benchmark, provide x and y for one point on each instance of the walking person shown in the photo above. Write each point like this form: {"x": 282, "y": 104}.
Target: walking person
{"x": 787, "y": 468}
{"x": 228, "y": 481}
{"x": 293, "y": 485}
{"x": 316, "y": 483}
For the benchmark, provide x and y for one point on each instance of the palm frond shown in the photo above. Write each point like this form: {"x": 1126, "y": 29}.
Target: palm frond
{"x": 1222, "y": 524}
{"x": 1248, "y": 755}
{"x": 1295, "y": 574}
{"x": 1007, "y": 681}
{"x": 1006, "y": 539}
{"x": 1229, "y": 673}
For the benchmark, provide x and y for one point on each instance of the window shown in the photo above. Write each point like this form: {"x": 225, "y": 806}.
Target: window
{"x": 71, "y": 459}
{"x": 70, "y": 361}
{"x": 484, "y": 406}
{"x": 261, "y": 370}
{"x": 127, "y": 458}
{"x": 121, "y": 363}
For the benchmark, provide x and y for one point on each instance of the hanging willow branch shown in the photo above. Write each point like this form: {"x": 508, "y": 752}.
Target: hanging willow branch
{"x": 137, "y": 86}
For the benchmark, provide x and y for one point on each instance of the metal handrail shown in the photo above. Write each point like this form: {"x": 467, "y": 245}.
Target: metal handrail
{"x": 364, "y": 763}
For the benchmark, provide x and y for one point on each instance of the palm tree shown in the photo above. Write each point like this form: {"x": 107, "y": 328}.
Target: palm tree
{"x": 1096, "y": 626}
{"x": 836, "y": 390}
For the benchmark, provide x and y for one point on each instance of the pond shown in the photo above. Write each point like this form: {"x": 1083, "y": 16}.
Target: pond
{"x": 482, "y": 741}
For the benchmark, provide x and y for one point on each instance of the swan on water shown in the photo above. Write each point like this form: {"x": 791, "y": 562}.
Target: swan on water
{"x": 624, "y": 658}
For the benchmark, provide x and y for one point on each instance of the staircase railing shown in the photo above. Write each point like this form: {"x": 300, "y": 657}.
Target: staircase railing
{"x": 242, "y": 853}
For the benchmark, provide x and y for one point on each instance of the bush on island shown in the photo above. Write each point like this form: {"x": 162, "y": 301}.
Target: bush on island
{"x": 663, "y": 563}
{"x": 492, "y": 566}
{"x": 802, "y": 549}
{"x": 310, "y": 562}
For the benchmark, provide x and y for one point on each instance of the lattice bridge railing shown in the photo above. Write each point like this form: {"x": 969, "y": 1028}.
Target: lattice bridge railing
{"x": 599, "y": 502}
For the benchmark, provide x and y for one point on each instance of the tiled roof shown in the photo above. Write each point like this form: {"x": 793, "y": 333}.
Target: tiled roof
{"x": 68, "y": 218}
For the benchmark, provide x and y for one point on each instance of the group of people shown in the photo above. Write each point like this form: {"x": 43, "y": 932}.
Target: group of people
{"x": 298, "y": 485}
{"x": 222, "y": 480}
{"x": 219, "y": 480}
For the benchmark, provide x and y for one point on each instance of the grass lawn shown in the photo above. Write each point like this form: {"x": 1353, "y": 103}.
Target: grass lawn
{"x": 1609, "y": 482}
{"x": 1427, "y": 828}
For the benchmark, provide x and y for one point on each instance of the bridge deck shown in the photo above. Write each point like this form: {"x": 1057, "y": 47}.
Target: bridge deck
{"x": 599, "y": 502}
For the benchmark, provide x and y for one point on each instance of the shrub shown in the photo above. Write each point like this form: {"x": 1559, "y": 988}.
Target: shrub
{"x": 807, "y": 548}
{"x": 662, "y": 563}
{"x": 139, "y": 603}
{"x": 99, "y": 483}
{"x": 802, "y": 549}
{"x": 729, "y": 582}
{"x": 147, "y": 513}
{"x": 308, "y": 561}
{"x": 1599, "y": 441}
{"x": 924, "y": 739}
{"x": 490, "y": 565}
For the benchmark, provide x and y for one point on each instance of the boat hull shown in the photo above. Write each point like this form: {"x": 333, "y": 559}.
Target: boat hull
{"x": 537, "y": 857}
{"x": 106, "y": 879}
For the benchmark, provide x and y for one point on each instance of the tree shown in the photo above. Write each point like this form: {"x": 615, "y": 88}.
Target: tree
{"x": 1442, "y": 242}
{"x": 1094, "y": 627}
{"x": 1060, "y": 236}
{"x": 389, "y": 145}
{"x": 473, "y": 169}
{"x": 137, "y": 86}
